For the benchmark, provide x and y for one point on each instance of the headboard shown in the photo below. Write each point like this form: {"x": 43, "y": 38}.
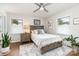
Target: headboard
{"x": 32, "y": 27}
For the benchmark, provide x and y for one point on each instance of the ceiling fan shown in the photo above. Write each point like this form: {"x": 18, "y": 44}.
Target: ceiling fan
{"x": 42, "y": 6}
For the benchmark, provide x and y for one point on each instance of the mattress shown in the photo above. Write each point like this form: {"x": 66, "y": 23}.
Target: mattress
{"x": 42, "y": 40}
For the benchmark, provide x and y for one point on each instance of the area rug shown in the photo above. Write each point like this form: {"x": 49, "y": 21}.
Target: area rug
{"x": 32, "y": 50}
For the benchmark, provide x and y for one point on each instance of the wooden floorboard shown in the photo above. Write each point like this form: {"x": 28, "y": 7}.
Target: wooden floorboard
{"x": 14, "y": 50}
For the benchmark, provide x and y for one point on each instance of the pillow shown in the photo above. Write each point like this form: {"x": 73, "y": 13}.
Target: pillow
{"x": 40, "y": 31}
{"x": 34, "y": 32}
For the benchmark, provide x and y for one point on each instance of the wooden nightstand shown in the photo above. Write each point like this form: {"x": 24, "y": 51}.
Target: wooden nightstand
{"x": 25, "y": 37}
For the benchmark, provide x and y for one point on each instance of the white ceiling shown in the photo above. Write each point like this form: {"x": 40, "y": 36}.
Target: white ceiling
{"x": 28, "y": 8}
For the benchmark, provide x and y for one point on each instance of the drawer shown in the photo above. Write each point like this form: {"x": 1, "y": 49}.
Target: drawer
{"x": 25, "y": 40}
{"x": 25, "y": 37}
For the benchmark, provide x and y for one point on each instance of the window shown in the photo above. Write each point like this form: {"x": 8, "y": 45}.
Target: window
{"x": 17, "y": 26}
{"x": 1, "y": 24}
{"x": 63, "y": 25}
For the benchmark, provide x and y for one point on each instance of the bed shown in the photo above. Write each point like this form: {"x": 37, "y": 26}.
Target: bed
{"x": 44, "y": 41}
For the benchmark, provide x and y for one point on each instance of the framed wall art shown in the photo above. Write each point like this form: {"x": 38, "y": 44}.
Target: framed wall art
{"x": 37, "y": 22}
{"x": 17, "y": 21}
{"x": 76, "y": 20}
{"x": 64, "y": 20}
{"x": 16, "y": 26}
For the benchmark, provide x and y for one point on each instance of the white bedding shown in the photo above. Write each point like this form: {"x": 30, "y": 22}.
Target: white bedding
{"x": 44, "y": 39}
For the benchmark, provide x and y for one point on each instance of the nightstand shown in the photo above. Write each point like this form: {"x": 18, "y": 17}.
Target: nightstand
{"x": 25, "y": 37}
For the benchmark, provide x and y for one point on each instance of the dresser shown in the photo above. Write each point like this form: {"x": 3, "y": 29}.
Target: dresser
{"x": 25, "y": 37}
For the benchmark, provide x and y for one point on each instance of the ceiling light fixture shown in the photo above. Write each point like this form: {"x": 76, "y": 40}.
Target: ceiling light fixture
{"x": 41, "y": 8}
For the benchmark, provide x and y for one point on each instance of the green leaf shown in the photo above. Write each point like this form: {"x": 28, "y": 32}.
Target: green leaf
{"x": 76, "y": 37}
{"x": 5, "y": 40}
{"x": 72, "y": 40}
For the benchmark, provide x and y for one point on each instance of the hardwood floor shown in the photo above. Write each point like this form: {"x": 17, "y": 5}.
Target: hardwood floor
{"x": 15, "y": 50}
{"x": 72, "y": 53}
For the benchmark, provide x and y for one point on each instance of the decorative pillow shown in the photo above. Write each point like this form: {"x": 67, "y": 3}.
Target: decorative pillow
{"x": 40, "y": 31}
{"x": 35, "y": 32}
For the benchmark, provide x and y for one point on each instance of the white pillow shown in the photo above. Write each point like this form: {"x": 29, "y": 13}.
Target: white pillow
{"x": 34, "y": 32}
{"x": 40, "y": 31}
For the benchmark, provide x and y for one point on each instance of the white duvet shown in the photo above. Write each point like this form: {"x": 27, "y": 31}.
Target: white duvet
{"x": 44, "y": 39}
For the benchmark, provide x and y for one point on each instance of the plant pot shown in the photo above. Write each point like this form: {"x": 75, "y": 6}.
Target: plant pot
{"x": 5, "y": 51}
{"x": 75, "y": 49}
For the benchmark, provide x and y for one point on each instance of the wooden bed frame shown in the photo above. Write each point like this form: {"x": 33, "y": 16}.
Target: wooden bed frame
{"x": 47, "y": 47}
{"x": 51, "y": 47}
{"x": 32, "y": 27}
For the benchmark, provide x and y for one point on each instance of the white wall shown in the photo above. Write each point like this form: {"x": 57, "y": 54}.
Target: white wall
{"x": 73, "y": 12}
{"x": 2, "y": 22}
{"x": 3, "y": 18}
{"x": 27, "y": 20}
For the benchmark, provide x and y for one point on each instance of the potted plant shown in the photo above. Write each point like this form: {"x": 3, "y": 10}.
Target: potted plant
{"x": 73, "y": 42}
{"x": 5, "y": 43}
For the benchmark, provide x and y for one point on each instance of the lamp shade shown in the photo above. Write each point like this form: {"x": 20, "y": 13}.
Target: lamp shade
{"x": 26, "y": 28}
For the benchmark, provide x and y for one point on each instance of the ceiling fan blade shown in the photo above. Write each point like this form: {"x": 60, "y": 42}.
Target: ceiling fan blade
{"x": 45, "y": 10}
{"x": 47, "y": 4}
{"x": 37, "y": 4}
{"x": 36, "y": 9}
{"x": 41, "y": 4}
